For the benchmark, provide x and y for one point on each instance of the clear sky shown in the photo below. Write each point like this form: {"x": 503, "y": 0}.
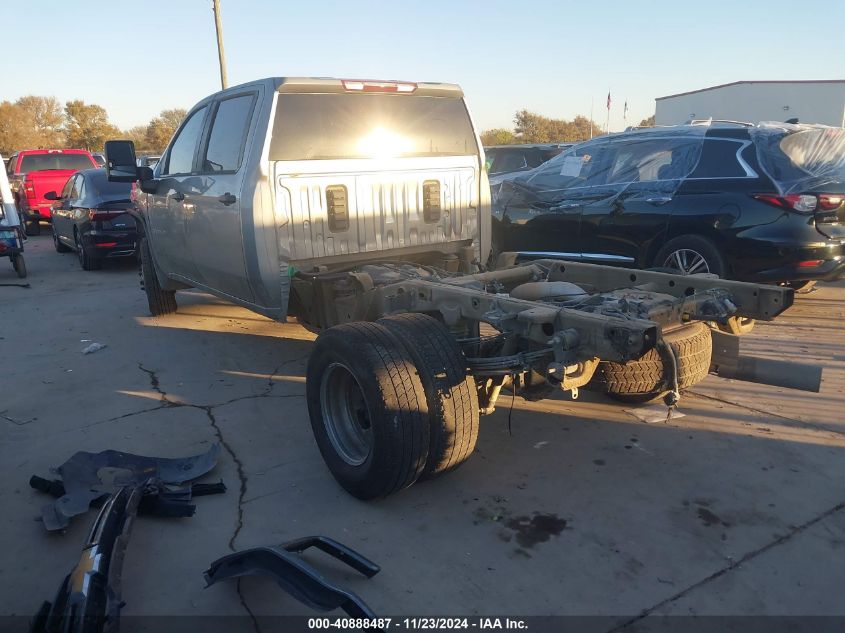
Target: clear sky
{"x": 139, "y": 57}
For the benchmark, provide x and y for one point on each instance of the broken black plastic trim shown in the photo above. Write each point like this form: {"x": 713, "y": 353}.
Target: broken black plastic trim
{"x": 159, "y": 499}
{"x": 296, "y": 576}
{"x": 88, "y": 600}
{"x": 83, "y": 478}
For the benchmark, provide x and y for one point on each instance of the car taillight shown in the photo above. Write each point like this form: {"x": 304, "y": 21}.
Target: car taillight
{"x": 29, "y": 190}
{"x": 800, "y": 202}
{"x": 829, "y": 202}
{"x": 358, "y": 85}
{"x": 94, "y": 214}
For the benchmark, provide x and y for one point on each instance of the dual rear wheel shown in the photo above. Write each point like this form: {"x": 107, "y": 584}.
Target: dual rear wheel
{"x": 390, "y": 403}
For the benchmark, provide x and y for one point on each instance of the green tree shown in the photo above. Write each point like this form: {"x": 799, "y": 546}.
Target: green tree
{"x": 87, "y": 126}
{"x": 649, "y": 122}
{"x": 497, "y": 136}
{"x": 162, "y": 128}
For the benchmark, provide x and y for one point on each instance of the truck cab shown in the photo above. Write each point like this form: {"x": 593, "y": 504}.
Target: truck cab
{"x": 284, "y": 174}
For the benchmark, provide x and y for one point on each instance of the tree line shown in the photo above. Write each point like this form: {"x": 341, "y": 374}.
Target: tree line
{"x": 34, "y": 122}
{"x": 530, "y": 127}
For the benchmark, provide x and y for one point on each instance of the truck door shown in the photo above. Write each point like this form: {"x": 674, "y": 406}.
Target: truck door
{"x": 176, "y": 177}
{"x": 213, "y": 208}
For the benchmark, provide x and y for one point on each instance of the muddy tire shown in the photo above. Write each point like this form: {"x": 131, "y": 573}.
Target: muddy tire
{"x": 160, "y": 301}
{"x": 645, "y": 379}
{"x": 368, "y": 409}
{"x": 451, "y": 394}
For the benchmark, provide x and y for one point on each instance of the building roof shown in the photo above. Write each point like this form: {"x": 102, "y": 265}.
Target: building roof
{"x": 737, "y": 83}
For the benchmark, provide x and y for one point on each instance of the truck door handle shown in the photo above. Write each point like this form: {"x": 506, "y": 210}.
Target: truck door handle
{"x": 227, "y": 199}
{"x": 178, "y": 196}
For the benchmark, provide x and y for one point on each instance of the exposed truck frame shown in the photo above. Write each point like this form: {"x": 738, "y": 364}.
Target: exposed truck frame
{"x": 388, "y": 260}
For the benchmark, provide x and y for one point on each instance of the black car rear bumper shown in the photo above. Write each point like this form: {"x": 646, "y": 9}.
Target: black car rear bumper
{"x": 830, "y": 270}
{"x": 108, "y": 244}
{"x": 823, "y": 262}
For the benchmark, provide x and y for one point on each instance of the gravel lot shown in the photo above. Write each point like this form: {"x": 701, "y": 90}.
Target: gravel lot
{"x": 736, "y": 508}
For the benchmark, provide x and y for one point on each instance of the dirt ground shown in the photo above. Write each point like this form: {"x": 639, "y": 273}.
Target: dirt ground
{"x": 580, "y": 508}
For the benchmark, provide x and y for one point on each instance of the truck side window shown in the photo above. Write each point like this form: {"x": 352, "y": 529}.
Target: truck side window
{"x": 228, "y": 134}
{"x": 180, "y": 159}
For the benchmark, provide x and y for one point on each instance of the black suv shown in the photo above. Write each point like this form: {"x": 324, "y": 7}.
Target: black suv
{"x": 761, "y": 203}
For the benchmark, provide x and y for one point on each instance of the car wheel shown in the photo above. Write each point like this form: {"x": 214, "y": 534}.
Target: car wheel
{"x": 160, "y": 301}
{"x": 451, "y": 394}
{"x": 57, "y": 243}
{"x": 368, "y": 409}
{"x": 85, "y": 260}
{"x": 690, "y": 255}
{"x": 33, "y": 228}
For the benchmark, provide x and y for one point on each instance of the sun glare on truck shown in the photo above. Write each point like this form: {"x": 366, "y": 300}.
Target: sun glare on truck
{"x": 382, "y": 143}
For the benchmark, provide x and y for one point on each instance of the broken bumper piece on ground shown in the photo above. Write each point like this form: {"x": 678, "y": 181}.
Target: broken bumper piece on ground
{"x": 296, "y": 576}
{"x": 89, "y": 600}
{"x": 86, "y": 477}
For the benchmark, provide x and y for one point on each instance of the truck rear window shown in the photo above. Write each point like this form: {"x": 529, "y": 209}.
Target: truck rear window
{"x": 41, "y": 162}
{"x": 333, "y": 126}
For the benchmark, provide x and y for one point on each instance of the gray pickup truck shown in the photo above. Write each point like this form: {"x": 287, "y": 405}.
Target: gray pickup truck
{"x": 362, "y": 209}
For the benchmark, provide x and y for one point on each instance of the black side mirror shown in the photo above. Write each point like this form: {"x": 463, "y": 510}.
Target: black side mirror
{"x": 147, "y": 182}
{"x": 120, "y": 161}
{"x": 51, "y": 195}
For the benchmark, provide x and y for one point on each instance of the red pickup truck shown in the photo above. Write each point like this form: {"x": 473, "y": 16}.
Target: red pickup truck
{"x": 34, "y": 172}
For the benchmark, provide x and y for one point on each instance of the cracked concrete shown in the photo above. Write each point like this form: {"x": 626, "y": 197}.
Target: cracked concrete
{"x": 736, "y": 508}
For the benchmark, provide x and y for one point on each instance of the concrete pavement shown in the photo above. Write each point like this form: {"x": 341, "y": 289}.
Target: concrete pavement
{"x": 735, "y": 508}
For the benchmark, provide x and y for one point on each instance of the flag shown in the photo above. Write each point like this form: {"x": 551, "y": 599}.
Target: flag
{"x": 608, "y": 100}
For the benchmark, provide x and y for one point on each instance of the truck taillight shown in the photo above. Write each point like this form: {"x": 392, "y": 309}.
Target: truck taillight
{"x": 29, "y": 190}
{"x": 359, "y": 85}
{"x": 802, "y": 203}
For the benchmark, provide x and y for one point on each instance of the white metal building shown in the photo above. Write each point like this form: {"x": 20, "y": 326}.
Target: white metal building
{"x": 821, "y": 101}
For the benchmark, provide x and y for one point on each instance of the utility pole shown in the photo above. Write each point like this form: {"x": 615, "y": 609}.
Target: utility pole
{"x": 218, "y": 24}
